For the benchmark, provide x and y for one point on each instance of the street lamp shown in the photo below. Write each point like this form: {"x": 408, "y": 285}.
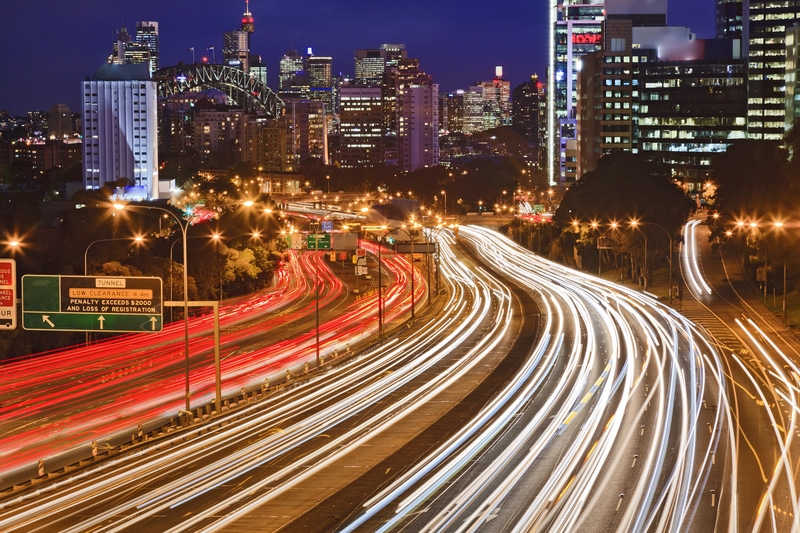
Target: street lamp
{"x": 779, "y": 224}
{"x": 316, "y": 280}
{"x": 218, "y": 238}
{"x": 136, "y": 239}
{"x": 183, "y": 226}
{"x": 444, "y": 193}
{"x": 635, "y": 224}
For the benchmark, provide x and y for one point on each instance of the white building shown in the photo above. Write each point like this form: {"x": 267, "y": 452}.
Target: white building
{"x": 120, "y": 134}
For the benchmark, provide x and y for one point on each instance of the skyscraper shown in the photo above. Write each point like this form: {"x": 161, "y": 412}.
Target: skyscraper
{"x": 291, "y": 63}
{"x": 526, "y": 101}
{"x": 418, "y": 127}
{"x": 236, "y": 43}
{"x": 369, "y": 66}
{"x": 765, "y": 41}
{"x": 575, "y": 31}
{"x": 141, "y": 48}
{"x": 120, "y": 137}
{"x": 147, "y": 35}
{"x": 728, "y": 19}
{"x": 361, "y": 127}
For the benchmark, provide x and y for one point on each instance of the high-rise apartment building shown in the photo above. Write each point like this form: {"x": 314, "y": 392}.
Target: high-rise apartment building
{"x": 418, "y": 127}
{"x": 765, "y": 48}
{"x": 120, "y": 134}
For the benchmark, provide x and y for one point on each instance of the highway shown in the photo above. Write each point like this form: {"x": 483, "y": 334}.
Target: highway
{"x": 536, "y": 398}
{"x": 53, "y": 407}
{"x": 760, "y": 358}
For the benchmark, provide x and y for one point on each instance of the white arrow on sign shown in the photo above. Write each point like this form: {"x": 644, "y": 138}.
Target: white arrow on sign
{"x": 101, "y": 319}
{"x": 153, "y": 322}
{"x": 46, "y": 320}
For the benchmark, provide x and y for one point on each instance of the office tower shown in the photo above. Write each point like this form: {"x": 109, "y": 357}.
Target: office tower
{"x": 728, "y": 19}
{"x": 765, "y": 39}
{"x": 59, "y": 122}
{"x": 120, "y": 134}
{"x": 497, "y": 101}
{"x": 793, "y": 78}
{"x": 454, "y": 104}
{"x": 473, "y": 119}
{"x": 309, "y": 131}
{"x": 369, "y": 66}
{"x": 320, "y": 80}
{"x": 393, "y": 54}
{"x": 692, "y": 110}
{"x": 606, "y": 101}
{"x": 290, "y": 65}
{"x": 361, "y": 126}
{"x": 418, "y": 127}
{"x": 236, "y": 49}
{"x": 575, "y": 31}
{"x": 526, "y": 101}
{"x": 128, "y": 50}
{"x": 319, "y": 70}
{"x": 258, "y": 69}
{"x": 147, "y": 35}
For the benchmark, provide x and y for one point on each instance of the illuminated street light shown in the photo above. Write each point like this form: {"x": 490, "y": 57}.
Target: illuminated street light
{"x": 635, "y": 223}
{"x": 183, "y": 226}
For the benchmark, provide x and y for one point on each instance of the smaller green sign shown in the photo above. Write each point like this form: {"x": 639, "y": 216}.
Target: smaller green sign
{"x": 319, "y": 241}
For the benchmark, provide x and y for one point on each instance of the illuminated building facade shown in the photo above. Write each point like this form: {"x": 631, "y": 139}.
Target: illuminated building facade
{"x": 575, "y": 31}
{"x": 361, "y": 126}
{"x": 120, "y": 133}
{"x": 765, "y": 41}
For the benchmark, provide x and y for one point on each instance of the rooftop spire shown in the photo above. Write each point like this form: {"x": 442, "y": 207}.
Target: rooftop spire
{"x": 247, "y": 18}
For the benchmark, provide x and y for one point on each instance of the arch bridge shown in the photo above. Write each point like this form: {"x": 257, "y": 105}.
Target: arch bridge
{"x": 243, "y": 89}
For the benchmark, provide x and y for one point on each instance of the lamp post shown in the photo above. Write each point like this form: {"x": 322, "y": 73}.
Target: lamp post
{"x": 218, "y": 238}
{"x": 779, "y": 224}
{"x": 138, "y": 239}
{"x": 636, "y": 223}
{"x": 183, "y": 226}
{"x": 444, "y": 193}
{"x": 316, "y": 281}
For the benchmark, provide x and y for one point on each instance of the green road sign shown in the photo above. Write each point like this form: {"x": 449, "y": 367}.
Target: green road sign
{"x": 319, "y": 241}
{"x": 87, "y": 303}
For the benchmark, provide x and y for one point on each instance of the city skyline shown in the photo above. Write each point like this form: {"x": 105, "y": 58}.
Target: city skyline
{"x": 457, "y": 46}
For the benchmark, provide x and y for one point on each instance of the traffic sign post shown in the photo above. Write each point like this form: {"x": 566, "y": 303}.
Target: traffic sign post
{"x": 8, "y": 294}
{"x": 88, "y": 303}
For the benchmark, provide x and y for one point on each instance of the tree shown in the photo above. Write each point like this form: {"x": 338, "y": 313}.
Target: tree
{"x": 627, "y": 187}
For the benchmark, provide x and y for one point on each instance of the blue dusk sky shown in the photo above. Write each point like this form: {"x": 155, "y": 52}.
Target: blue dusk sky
{"x": 50, "y": 46}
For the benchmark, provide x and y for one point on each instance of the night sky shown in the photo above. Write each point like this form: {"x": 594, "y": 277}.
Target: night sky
{"x": 47, "y": 47}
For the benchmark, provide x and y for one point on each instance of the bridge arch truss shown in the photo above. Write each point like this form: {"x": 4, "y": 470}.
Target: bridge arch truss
{"x": 243, "y": 89}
